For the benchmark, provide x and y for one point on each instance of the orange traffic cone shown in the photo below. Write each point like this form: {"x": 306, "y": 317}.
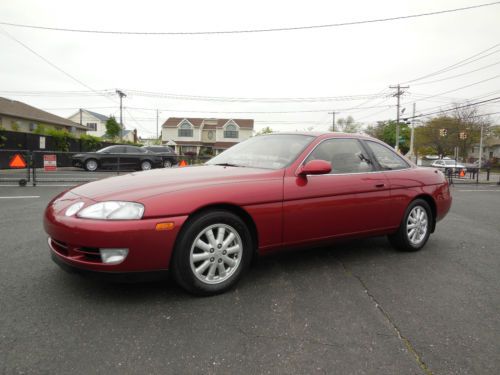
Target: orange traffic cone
{"x": 462, "y": 173}
{"x": 183, "y": 163}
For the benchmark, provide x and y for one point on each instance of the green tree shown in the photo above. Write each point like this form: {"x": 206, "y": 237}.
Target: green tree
{"x": 113, "y": 129}
{"x": 266, "y": 130}
{"x": 347, "y": 125}
{"x": 386, "y": 132}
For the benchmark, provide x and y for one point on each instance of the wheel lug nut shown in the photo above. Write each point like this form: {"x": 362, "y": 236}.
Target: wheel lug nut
{"x": 212, "y": 259}
{"x": 220, "y": 260}
{"x": 224, "y": 252}
{"x": 219, "y": 246}
{"x": 212, "y": 250}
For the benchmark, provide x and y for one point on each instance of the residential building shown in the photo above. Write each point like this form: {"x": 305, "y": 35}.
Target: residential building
{"x": 201, "y": 136}
{"x": 19, "y": 116}
{"x": 93, "y": 121}
{"x": 491, "y": 148}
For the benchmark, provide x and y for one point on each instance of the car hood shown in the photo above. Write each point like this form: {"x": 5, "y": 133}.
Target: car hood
{"x": 139, "y": 185}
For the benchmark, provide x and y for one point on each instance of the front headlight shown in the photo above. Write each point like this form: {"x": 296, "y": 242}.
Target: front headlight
{"x": 113, "y": 210}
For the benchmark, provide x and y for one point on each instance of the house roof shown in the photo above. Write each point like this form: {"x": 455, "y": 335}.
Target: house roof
{"x": 173, "y": 122}
{"x": 96, "y": 115}
{"x": 24, "y": 111}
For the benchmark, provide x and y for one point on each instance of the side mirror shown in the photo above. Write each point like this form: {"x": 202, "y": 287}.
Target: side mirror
{"x": 315, "y": 167}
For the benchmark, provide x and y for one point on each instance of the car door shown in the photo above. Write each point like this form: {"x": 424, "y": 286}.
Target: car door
{"x": 400, "y": 179}
{"x": 132, "y": 157}
{"x": 350, "y": 200}
{"x": 109, "y": 159}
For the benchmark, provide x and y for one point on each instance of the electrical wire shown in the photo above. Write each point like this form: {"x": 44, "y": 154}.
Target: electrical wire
{"x": 458, "y": 64}
{"x": 279, "y": 29}
{"x": 457, "y": 75}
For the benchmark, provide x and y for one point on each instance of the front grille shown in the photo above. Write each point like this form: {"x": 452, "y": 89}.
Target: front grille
{"x": 90, "y": 253}
{"x": 60, "y": 247}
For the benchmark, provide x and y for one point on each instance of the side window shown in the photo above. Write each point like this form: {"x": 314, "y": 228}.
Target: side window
{"x": 345, "y": 154}
{"x": 386, "y": 157}
{"x": 118, "y": 150}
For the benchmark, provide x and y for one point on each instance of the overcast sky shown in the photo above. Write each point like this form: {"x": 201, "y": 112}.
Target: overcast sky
{"x": 329, "y": 62}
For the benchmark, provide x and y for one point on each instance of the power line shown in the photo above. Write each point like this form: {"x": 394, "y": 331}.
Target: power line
{"x": 218, "y": 32}
{"x": 51, "y": 63}
{"x": 457, "y": 75}
{"x": 458, "y": 64}
{"x": 455, "y": 108}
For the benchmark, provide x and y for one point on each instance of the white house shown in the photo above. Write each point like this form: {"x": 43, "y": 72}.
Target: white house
{"x": 95, "y": 122}
{"x": 205, "y": 136}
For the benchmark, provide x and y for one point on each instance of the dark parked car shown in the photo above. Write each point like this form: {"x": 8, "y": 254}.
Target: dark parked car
{"x": 168, "y": 155}
{"x": 281, "y": 191}
{"x": 124, "y": 157}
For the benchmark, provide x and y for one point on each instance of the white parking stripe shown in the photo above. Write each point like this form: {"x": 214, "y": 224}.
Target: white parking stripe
{"x": 21, "y": 197}
{"x": 478, "y": 190}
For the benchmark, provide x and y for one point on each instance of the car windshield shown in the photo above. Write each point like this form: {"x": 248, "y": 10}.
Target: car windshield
{"x": 264, "y": 151}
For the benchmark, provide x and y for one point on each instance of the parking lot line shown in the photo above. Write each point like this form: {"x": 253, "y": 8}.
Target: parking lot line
{"x": 21, "y": 197}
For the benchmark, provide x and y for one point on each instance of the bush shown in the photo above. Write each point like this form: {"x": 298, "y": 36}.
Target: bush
{"x": 90, "y": 143}
{"x": 61, "y": 139}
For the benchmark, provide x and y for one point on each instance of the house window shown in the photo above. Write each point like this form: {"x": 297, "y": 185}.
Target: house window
{"x": 92, "y": 126}
{"x": 32, "y": 126}
{"x": 231, "y": 131}
{"x": 185, "y": 130}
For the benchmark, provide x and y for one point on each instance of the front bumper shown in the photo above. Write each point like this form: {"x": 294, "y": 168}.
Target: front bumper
{"x": 76, "y": 242}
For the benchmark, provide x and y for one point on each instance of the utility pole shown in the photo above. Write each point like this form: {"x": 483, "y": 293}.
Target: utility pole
{"x": 121, "y": 94}
{"x": 412, "y": 134}
{"x": 333, "y": 119}
{"x": 80, "y": 116}
{"x": 480, "y": 150}
{"x": 398, "y": 94}
{"x": 157, "y": 136}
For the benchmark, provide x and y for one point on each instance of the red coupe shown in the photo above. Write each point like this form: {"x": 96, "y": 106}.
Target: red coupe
{"x": 280, "y": 191}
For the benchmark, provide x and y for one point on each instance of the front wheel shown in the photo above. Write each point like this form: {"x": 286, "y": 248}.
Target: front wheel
{"x": 415, "y": 228}
{"x": 91, "y": 165}
{"x": 146, "y": 165}
{"x": 212, "y": 253}
{"x": 167, "y": 164}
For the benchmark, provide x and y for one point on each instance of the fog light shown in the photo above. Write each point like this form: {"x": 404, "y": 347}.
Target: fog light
{"x": 113, "y": 256}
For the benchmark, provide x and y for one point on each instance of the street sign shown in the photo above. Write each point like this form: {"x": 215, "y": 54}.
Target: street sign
{"x": 49, "y": 163}
{"x": 17, "y": 161}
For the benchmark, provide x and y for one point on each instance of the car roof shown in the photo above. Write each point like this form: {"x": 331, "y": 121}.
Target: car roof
{"x": 326, "y": 134}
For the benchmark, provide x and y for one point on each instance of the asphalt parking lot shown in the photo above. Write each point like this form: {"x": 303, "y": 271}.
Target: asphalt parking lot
{"x": 358, "y": 307}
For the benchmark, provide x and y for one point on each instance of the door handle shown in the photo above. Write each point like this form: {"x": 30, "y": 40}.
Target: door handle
{"x": 380, "y": 185}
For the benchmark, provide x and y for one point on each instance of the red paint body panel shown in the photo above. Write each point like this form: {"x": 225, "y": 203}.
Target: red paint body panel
{"x": 287, "y": 209}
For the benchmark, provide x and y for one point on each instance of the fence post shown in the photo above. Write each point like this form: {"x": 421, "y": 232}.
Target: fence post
{"x": 33, "y": 160}
{"x": 487, "y": 174}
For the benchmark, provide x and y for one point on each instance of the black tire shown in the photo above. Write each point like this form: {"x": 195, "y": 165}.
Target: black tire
{"x": 89, "y": 165}
{"x": 167, "y": 163}
{"x": 401, "y": 239}
{"x": 146, "y": 165}
{"x": 182, "y": 268}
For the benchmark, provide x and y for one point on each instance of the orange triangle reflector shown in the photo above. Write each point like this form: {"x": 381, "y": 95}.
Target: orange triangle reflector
{"x": 462, "y": 173}
{"x": 183, "y": 163}
{"x": 17, "y": 162}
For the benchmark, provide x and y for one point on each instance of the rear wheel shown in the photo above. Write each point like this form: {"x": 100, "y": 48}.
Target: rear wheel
{"x": 212, "y": 253}
{"x": 91, "y": 165}
{"x": 167, "y": 164}
{"x": 146, "y": 165}
{"x": 415, "y": 228}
